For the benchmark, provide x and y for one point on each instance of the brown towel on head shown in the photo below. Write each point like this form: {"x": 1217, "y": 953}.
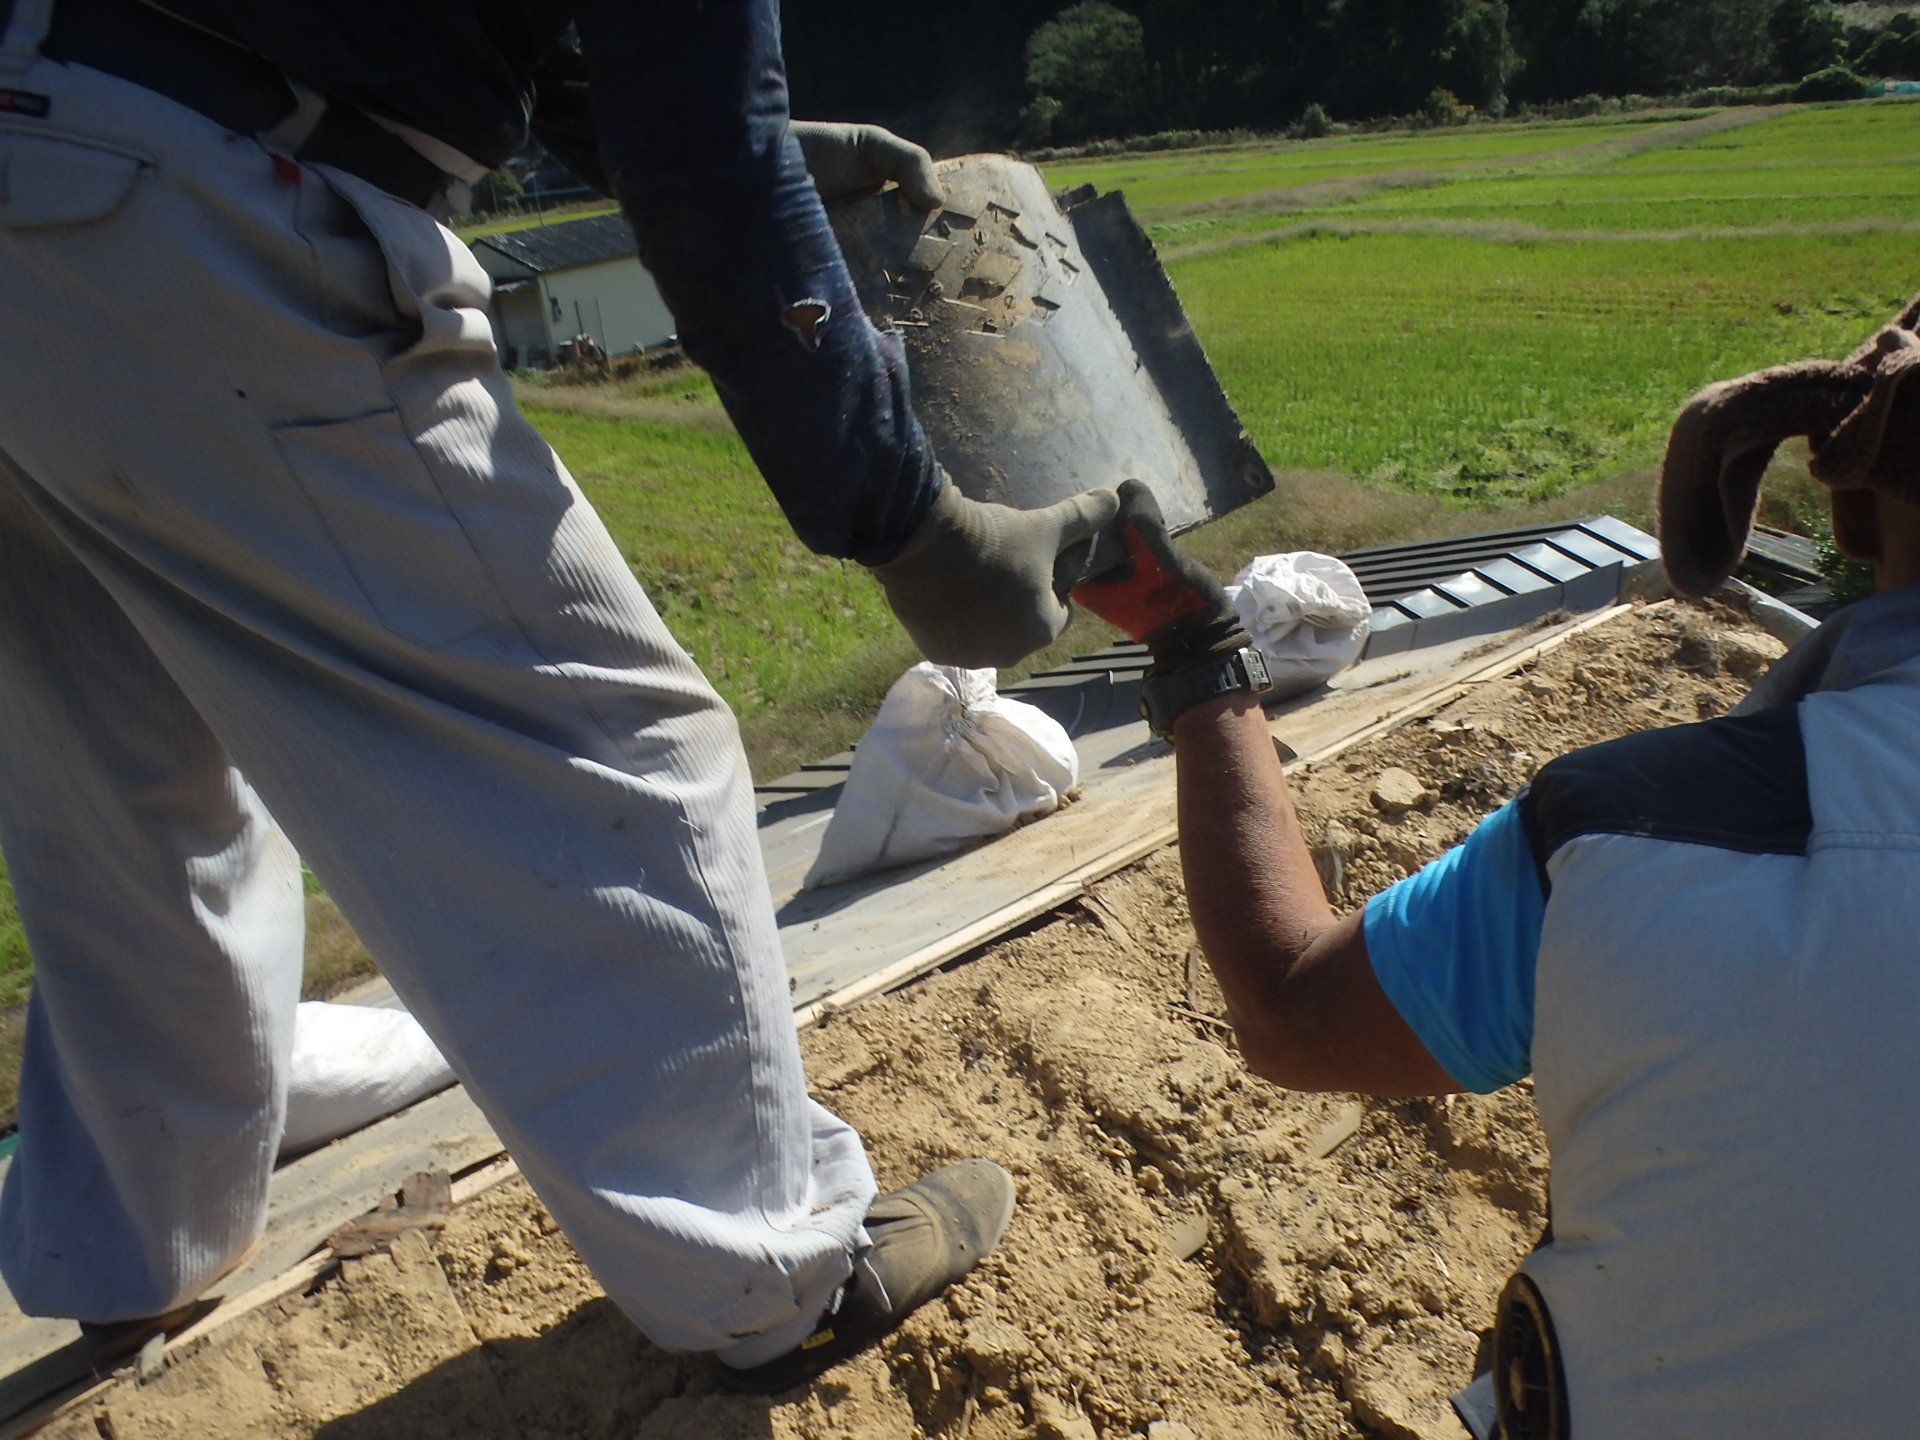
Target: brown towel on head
{"x": 1860, "y": 415}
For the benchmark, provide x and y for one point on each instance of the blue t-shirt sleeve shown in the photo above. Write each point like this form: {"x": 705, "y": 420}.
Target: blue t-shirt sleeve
{"x": 1455, "y": 946}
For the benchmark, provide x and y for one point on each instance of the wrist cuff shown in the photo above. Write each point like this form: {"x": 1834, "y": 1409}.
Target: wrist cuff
{"x": 1194, "y": 640}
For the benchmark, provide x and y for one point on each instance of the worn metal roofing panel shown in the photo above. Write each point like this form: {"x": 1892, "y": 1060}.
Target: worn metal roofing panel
{"x": 546, "y": 248}
{"x": 1425, "y": 594}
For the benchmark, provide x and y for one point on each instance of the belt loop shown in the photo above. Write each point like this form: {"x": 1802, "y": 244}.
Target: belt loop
{"x": 26, "y": 28}
{"x": 291, "y": 135}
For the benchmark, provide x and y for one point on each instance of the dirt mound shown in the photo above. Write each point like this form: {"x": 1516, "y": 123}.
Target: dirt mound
{"x": 1195, "y": 1253}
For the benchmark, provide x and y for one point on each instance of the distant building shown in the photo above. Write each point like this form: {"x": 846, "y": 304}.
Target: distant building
{"x": 577, "y": 277}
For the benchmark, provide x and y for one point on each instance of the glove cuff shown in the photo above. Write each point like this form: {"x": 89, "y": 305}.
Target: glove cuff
{"x": 1195, "y": 639}
{"x": 944, "y": 517}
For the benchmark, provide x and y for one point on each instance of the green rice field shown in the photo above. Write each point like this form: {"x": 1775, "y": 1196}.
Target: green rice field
{"x": 1494, "y": 315}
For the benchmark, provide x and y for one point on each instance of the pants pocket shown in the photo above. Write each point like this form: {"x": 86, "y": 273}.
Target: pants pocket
{"x": 52, "y": 178}
{"x": 392, "y": 524}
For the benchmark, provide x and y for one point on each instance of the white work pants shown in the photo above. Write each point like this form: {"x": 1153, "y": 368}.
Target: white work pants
{"x": 267, "y": 503}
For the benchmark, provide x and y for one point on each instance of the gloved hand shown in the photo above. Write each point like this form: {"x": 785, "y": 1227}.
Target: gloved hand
{"x": 985, "y": 585}
{"x": 1161, "y": 596}
{"x": 849, "y": 159}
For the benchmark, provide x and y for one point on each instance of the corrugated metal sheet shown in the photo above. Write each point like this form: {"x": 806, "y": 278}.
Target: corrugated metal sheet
{"x": 545, "y": 248}
{"x": 1427, "y": 593}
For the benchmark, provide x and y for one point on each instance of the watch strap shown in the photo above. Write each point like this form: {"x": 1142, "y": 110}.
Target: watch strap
{"x": 1165, "y": 698}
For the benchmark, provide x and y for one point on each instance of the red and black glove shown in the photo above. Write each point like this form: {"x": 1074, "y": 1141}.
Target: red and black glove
{"x": 1160, "y": 596}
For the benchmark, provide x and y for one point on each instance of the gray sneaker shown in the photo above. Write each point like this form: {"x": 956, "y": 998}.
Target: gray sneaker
{"x": 925, "y": 1236}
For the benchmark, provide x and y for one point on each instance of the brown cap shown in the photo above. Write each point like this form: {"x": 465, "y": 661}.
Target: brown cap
{"x": 1860, "y": 414}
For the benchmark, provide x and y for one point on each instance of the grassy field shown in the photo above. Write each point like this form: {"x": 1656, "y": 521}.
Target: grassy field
{"x": 1417, "y": 329}
{"x": 1492, "y": 373}
{"x": 1156, "y": 182}
{"x": 578, "y": 210}
{"x": 1510, "y": 323}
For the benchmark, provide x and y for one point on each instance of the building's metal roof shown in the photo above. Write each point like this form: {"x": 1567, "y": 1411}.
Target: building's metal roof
{"x": 546, "y": 248}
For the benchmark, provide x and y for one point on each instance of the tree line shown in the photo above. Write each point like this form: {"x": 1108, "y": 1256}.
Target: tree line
{"x": 998, "y": 72}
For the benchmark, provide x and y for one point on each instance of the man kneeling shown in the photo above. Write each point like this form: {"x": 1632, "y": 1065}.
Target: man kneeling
{"x": 1698, "y": 940}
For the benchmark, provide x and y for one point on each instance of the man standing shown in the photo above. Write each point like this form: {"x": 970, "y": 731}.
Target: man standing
{"x": 273, "y": 538}
{"x": 1699, "y": 941}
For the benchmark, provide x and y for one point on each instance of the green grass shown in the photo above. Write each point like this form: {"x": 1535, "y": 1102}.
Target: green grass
{"x": 553, "y": 215}
{"x": 1813, "y": 135}
{"x": 16, "y": 966}
{"x": 1156, "y": 182}
{"x": 1491, "y": 372}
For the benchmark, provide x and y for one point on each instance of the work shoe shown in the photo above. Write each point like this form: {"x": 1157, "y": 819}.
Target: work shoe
{"x": 925, "y": 1236}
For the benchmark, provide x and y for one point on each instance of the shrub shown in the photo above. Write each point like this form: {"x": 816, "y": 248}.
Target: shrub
{"x": 1847, "y": 579}
{"x": 1836, "y": 82}
{"x": 1037, "y": 119}
{"x": 495, "y": 191}
{"x": 1092, "y": 59}
{"x": 1721, "y": 95}
{"x": 1896, "y": 50}
{"x": 1442, "y": 107}
{"x": 1315, "y": 123}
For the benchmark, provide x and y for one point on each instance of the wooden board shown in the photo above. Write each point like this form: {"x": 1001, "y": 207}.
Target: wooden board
{"x": 310, "y": 1198}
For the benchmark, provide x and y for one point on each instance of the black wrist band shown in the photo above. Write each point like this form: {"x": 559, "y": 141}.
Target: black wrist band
{"x": 1165, "y": 698}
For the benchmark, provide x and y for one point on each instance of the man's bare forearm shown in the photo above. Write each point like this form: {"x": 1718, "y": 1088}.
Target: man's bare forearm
{"x": 1257, "y": 903}
{"x": 1302, "y": 992}
{"x": 1300, "y": 989}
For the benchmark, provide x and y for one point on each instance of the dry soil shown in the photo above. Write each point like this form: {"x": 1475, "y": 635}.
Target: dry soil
{"x": 1195, "y": 1253}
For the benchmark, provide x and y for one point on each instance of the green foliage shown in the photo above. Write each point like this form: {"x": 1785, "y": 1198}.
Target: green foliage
{"x": 1443, "y": 107}
{"x": 1709, "y": 41}
{"x": 497, "y": 190}
{"x": 1256, "y": 64}
{"x": 16, "y": 966}
{"x": 1038, "y": 119}
{"x": 1895, "y": 52}
{"x": 1741, "y": 95}
{"x": 1848, "y": 579}
{"x": 1394, "y": 54}
{"x": 1836, "y": 82}
{"x": 1807, "y": 35}
{"x": 1091, "y": 59}
{"x": 1314, "y": 123}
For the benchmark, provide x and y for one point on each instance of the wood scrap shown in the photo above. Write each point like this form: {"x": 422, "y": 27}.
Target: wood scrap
{"x": 1346, "y": 1124}
{"x": 424, "y": 1203}
{"x": 1106, "y": 917}
{"x": 1212, "y": 1022}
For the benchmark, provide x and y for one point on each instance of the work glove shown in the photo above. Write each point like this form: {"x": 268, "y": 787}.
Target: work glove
{"x": 981, "y": 585}
{"x": 1161, "y": 596}
{"x": 852, "y": 159}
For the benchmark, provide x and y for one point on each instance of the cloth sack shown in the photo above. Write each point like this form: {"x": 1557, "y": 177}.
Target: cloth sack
{"x": 351, "y": 1065}
{"x": 947, "y": 762}
{"x": 1306, "y": 613}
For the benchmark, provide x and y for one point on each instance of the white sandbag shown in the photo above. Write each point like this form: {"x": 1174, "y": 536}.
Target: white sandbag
{"x": 947, "y": 762}
{"x": 351, "y": 1065}
{"x": 1306, "y": 613}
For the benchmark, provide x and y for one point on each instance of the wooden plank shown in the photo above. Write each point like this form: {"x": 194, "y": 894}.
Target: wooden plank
{"x": 319, "y": 1192}
{"x": 66, "y": 1398}
{"x": 310, "y": 1198}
